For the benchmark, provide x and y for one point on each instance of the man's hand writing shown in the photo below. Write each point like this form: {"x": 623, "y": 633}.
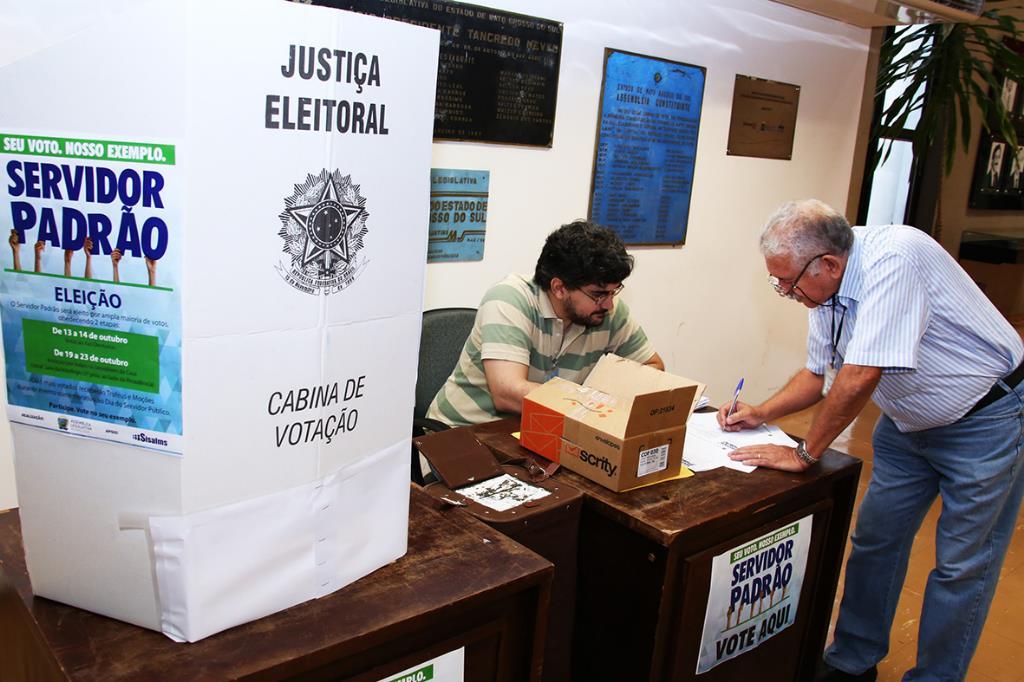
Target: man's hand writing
{"x": 743, "y": 417}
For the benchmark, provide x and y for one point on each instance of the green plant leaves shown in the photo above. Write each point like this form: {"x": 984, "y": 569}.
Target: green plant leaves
{"x": 944, "y": 70}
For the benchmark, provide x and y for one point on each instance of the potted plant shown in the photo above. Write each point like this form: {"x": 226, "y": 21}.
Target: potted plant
{"x": 945, "y": 70}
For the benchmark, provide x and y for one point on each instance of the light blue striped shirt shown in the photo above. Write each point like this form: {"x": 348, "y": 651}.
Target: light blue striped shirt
{"x": 912, "y": 310}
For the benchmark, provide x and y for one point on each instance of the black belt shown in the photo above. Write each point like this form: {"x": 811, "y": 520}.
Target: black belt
{"x": 997, "y": 391}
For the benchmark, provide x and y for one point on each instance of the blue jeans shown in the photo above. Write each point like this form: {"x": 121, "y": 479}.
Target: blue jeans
{"x": 975, "y": 465}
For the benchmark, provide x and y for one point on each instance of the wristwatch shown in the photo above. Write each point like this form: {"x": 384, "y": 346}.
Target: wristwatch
{"x": 801, "y": 452}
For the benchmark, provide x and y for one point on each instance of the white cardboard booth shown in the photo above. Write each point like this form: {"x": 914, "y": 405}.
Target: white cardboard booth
{"x": 211, "y": 299}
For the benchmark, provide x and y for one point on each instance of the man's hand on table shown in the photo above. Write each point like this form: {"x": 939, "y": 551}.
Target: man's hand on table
{"x": 771, "y": 456}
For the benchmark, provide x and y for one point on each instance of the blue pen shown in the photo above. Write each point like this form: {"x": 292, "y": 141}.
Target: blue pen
{"x": 735, "y": 397}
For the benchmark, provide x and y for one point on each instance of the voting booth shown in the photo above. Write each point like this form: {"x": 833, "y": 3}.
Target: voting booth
{"x": 211, "y": 301}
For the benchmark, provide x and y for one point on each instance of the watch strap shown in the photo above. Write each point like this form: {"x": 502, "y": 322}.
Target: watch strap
{"x": 801, "y": 452}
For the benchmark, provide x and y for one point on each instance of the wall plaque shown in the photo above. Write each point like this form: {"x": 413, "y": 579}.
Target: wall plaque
{"x": 497, "y": 78}
{"x": 458, "y": 214}
{"x": 763, "y": 118}
{"x": 646, "y": 147}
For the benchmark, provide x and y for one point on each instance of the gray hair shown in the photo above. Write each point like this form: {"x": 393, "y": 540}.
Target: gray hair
{"x": 804, "y": 229}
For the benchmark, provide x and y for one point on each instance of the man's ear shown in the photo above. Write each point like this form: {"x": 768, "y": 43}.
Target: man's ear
{"x": 833, "y": 265}
{"x": 558, "y": 288}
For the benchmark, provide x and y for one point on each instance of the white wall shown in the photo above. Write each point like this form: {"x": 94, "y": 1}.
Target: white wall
{"x": 705, "y": 305}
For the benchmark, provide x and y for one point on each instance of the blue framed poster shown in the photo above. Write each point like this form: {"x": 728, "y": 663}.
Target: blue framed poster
{"x": 646, "y": 147}
{"x": 458, "y": 214}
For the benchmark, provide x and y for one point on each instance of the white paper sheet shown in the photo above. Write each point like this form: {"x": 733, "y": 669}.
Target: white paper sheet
{"x": 502, "y": 493}
{"x": 707, "y": 446}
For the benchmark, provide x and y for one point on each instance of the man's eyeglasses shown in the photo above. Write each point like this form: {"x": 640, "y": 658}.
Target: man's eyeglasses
{"x": 602, "y": 296}
{"x": 786, "y": 287}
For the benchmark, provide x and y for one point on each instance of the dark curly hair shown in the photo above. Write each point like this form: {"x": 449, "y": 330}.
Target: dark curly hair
{"x": 582, "y": 253}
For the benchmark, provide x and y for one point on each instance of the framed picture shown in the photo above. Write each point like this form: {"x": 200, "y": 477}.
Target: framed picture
{"x": 998, "y": 181}
{"x": 1009, "y": 95}
{"x": 992, "y": 179}
{"x": 1014, "y": 182}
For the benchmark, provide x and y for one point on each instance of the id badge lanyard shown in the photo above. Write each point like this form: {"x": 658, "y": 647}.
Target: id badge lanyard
{"x": 831, "y": 371}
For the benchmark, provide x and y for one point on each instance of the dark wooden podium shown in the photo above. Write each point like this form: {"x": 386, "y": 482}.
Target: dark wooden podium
{"x": 461, "y": 584}
{"x": 645, "y": 565}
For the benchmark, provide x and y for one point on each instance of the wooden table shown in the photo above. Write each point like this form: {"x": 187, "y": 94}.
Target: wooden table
{"x": 1004, "y": 246}
{"x": 461, "y": 584}
{"x": 645, "y": 565}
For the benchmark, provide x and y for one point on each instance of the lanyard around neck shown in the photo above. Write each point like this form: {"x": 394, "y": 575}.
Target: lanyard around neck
{"x": 836, "y": 334}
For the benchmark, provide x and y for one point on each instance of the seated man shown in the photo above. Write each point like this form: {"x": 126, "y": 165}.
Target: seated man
{"x": 558, "y": 324}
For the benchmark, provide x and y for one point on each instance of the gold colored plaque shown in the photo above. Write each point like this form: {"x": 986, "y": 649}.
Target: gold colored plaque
{"x": 763, "y": 118}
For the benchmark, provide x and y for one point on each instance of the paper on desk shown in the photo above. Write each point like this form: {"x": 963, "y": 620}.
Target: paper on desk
{"x": 502, "y": 492}
{"x": 707, "y": 446}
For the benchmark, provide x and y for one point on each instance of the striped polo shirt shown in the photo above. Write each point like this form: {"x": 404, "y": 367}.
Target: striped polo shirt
{"x": 911, "y": 309}
{"x": 516, "y": 322}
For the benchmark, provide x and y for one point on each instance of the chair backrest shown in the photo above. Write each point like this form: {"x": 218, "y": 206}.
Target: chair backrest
{"x": 445, "y": 331}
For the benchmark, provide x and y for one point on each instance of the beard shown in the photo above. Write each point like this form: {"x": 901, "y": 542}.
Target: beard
{"x": 593, "y": 320}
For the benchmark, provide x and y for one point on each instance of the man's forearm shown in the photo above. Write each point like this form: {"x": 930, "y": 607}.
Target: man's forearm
{"x": 507, "y": 384}
{"x": 802, "y": 391}
{"x": 508, "y": 397}
{"x": 849, "y": 393}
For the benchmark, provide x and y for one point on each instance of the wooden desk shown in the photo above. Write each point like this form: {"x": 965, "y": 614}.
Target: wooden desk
{"x": 645, "y": 565}
{"x": 461, "y": 584}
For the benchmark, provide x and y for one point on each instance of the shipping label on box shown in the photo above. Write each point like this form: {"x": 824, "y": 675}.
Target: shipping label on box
{"x": 623, "y": 428}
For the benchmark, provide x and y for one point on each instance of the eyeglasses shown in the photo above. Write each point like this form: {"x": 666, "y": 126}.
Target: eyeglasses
{"x": 602, "y": 296}
{"x": 780, "y": 284}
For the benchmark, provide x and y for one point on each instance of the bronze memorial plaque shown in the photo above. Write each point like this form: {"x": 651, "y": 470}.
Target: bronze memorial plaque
{"x": 763, "y": 118}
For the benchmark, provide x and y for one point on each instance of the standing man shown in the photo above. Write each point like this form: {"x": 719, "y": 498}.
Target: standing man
{"x": 559, "y": 323}
{"x": 893, "y": 315}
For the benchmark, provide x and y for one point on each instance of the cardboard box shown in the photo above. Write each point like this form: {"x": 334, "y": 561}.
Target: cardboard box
{"x": 220, "y": 429}
{"x": 623, "y": 428}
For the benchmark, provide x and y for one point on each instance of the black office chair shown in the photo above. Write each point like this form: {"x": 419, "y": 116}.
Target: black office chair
{"x": 444, "y": 333}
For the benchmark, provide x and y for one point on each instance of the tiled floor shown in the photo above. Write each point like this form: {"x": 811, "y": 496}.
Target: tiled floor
{"x": 1000, "y": 654}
